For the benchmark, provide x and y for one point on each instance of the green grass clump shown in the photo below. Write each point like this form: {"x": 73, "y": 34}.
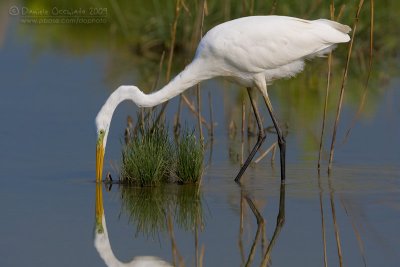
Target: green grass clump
{"x": 189, "y": 159}
{"x": 147, "y": 207}
{"x": 148, "y": 157}
{"x": 189, "y": 208}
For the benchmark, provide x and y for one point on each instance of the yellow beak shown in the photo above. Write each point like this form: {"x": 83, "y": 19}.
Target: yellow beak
{"x": 99, "y": 209}
{"x": 99, "y": 160}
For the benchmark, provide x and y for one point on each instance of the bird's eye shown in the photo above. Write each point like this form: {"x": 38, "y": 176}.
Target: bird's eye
{"x": 101, "y": 132}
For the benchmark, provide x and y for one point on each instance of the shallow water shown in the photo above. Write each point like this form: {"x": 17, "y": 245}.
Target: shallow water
{"x": 47, "y": 193}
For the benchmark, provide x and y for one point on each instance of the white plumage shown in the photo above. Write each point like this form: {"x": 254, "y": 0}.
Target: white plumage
{"x": 275, "y": 46}
{"x": 250, "y": 51}
{"x": 103, "y": 247}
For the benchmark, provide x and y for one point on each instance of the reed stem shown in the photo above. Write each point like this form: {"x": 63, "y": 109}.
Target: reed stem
{"x": 171, "y": 53}
{"x": 339, "y": 107}
{"x": 365, "y": 91}
{"x": 325, "y": 110}
{"x": 198, "y": 85}
{"x": 211, "y": 115}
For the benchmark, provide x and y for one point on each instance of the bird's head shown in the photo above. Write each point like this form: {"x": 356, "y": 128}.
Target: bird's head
{"x": 103, "y": 119}
{"x": 102, "y": 132}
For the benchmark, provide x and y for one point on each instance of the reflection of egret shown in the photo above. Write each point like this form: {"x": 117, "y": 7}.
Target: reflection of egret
{"x": 280, "y": 220}
{"x": 251, "y": 51}
{"x": 102, "y": 242}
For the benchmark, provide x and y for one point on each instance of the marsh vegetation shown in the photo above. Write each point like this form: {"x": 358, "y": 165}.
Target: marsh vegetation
{"x": 150, "y": 208}
{"x": 150, "y": 157}
{"x": 147, "y": 158}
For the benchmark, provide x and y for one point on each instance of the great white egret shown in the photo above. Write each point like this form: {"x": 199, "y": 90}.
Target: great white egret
{"x": 250, "y": 51}
{"x": 103, "y": 245}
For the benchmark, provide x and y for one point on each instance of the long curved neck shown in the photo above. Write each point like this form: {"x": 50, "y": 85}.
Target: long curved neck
{"x": 103, "y": 246}
{"x": 194, "y": 73}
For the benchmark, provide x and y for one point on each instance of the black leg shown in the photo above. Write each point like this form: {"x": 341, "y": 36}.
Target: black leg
{"x": 281, "y": 138}
{"x": 260, "y": 140}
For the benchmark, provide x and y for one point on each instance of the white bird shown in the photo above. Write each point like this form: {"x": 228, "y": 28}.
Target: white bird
{"x": 103, "y": 245}
{"x": 250, "y": 51}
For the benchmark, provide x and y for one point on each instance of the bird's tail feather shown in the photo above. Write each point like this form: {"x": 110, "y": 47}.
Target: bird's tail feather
{"x": 323, "y": 52}
{"x": 340, "y": 27}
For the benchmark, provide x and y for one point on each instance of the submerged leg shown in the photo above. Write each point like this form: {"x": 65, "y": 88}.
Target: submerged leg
{"x": 260, "y": 139}
{"x": 281, "y": 138}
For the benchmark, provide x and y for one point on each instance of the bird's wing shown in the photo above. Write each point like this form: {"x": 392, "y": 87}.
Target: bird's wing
{"x": 255, "y": 44}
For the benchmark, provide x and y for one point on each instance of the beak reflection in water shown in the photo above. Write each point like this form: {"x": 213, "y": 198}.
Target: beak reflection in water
{"x": 99, "y": 156}
{"x": 103, "y": 245}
